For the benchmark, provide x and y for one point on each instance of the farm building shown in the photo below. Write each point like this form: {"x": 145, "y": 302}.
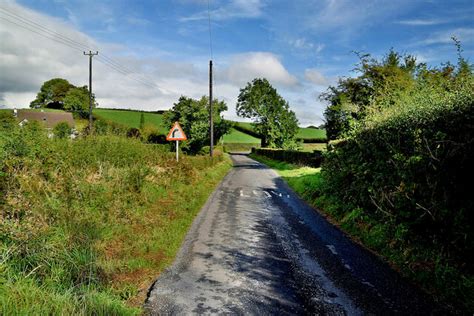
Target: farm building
{"x": 49, "y": 119}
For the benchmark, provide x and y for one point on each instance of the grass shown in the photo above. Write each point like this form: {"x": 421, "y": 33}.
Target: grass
{"x": 303, "y": 132}
{"x": 87, "y": 225}
{"x": 309, "y": 133}
{"x": 236, "y": 136}
{"x": 310, "y": 147}
{"x": 411, "y": 259}
{"x": 132, "y": 118}
{"x": 303, "y": 180}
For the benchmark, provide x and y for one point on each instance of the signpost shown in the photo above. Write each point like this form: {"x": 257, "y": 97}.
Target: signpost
{"x": 176, "y": 133}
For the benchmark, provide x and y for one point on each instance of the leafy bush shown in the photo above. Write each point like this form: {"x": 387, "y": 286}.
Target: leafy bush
{"x": 152, "y": 135}
{"x": 193, "y": 116}
{"x": 133, "y": 132}
{"x": 62, "y": 130}
{"x": 408, "y": 167}
{"x": 106, "y": 127}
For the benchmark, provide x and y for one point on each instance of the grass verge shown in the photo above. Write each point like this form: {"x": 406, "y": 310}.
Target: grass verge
{"x": 410, "y": 260}
{"x": 87, "y": 225}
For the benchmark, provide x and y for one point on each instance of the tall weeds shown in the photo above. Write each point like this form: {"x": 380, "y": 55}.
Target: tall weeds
{"x": 86, "y": 225}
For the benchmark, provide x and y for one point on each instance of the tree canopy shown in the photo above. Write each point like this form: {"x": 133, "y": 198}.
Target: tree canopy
{"x": 381, "y": 84}
{"x": 385, "y": 79}
{"x": 58, "y": 93}
{"x": 77, "y": 101}
{"x": 51, "y": 94}
{"x": 193, "y": 116}
{"x": 272, "y": 118}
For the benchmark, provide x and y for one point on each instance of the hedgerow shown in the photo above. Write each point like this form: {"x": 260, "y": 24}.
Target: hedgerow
{"x": 408, "y": 167}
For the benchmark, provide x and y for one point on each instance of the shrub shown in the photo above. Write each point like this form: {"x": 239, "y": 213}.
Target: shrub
{"x": 152, "y": 135}
{"x": 408, "y": 168}
{"x": 104, "y": 127}
{"x": 133, "y": 132}
{"x": 62, "y": 130}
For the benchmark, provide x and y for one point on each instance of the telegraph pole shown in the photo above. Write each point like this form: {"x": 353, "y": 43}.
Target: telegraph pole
{"x": 210, "y": 109}
{"x": 90, "y": 54}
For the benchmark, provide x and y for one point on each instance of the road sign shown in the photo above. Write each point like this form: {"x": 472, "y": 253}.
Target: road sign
{"x": 176, "y": 133}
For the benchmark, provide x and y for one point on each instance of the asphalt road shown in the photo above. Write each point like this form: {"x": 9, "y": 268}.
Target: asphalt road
{"x": 256, "y": 248}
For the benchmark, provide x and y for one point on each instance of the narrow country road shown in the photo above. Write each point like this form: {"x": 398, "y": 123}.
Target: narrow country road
{"x": 257, "y": 249}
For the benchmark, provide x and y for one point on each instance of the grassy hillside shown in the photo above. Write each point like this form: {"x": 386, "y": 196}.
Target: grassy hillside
{"x": 303, "y": 132}
{"x": 132, "y": 118}
{"x": 236, "y": 136}
{"x": 87, "y": 225}
{"x": 310, "y": 133}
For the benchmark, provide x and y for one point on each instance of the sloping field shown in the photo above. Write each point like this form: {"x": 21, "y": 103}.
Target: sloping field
{"x": 304, "y": 133}
{"x": 132, "y": 118}
{"x": 310, "y": 133}
{"x": 236, "y": 136}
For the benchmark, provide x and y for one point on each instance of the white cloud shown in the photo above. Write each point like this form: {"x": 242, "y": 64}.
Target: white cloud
{"x": 246, "y": 67}
{"x": 132, "y": 20}
{"x": 421, "y": 22}
{"x": 28, "y": 59}
{"x": 315, "y": 76}
{"x": 465, "y": 35}
{"x": 347, "y": 17}
{"x": 230, "y": 10}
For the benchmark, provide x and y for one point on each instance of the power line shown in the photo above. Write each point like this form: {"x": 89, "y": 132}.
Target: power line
{"x": 103, "y": 61}
{"x": 210, "y": 33}
{"x": 34, "y": 31}
{"x": 62, "y": 39}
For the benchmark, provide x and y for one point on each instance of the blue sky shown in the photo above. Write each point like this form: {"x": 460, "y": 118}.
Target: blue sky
{"x": 300, "y": 46}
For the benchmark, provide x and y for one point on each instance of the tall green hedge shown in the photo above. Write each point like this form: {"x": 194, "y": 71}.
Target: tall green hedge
{"x": 412, "y": 168}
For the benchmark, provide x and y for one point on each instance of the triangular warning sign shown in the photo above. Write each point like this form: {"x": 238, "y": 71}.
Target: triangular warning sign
{"x": 176, "y": 133}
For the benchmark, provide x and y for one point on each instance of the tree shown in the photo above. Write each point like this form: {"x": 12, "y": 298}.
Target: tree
{"x": 382, "y": 81}
{"x": 51, "y": 94}
{"x": 273, "y": 120}
{"x": 193, "y": 116}
{"x": 77, "y": 101}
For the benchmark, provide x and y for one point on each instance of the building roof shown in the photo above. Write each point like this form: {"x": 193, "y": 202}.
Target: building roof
{"x": 49, "y": 119}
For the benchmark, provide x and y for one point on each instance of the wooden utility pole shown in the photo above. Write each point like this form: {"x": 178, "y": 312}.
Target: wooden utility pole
{"x": 90, "y": 54}
{"x": 211, "y": 123}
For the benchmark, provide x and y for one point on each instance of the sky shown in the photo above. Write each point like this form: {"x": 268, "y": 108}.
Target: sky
{"x": 152, "y": 52}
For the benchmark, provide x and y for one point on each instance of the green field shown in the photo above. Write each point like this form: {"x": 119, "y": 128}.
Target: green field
{"x": 236, "y": 136}
{"x": 303, "y": 133}
{"x": 132, "y": 118}
{"x": 308, "y": 133}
